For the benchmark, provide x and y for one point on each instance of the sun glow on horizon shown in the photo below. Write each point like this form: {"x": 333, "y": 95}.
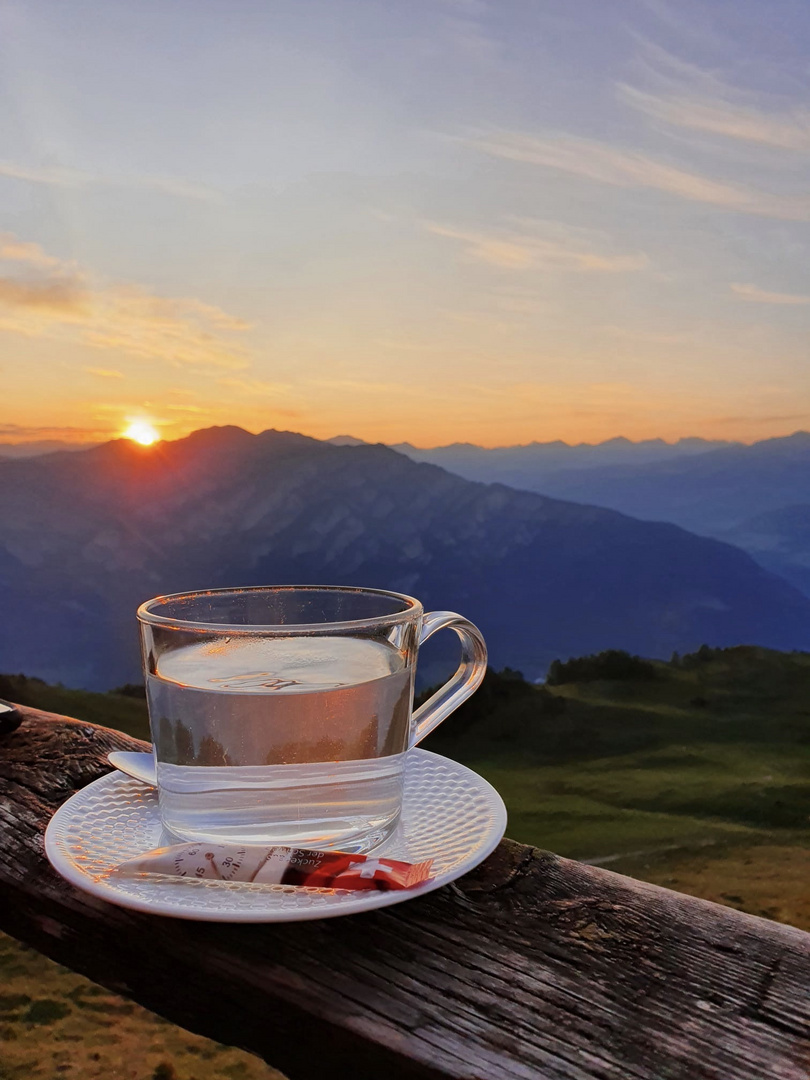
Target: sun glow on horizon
{"x": 140, "y": 431}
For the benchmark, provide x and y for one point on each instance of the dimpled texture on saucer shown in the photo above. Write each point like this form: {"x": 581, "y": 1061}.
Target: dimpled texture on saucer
{"x": 449, "y": 814}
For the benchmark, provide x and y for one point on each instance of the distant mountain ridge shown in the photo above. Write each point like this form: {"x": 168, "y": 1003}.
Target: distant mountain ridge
{"x": 528, "y": 465}
{"x": 85, "y": 537}
{"x": 711, "y": 489}
{"x": 707, "y": 492}
{"x": 40, "y": 446}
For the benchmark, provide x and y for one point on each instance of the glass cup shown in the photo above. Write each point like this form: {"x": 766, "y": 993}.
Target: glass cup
{"x": 283, "y": 714}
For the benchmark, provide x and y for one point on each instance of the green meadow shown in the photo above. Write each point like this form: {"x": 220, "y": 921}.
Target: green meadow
{"x": 694, "y": 774}
{"x": 54, "y": 1023}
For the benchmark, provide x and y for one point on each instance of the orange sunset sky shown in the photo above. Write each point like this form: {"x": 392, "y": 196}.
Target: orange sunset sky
{"x": 447, "y": 220}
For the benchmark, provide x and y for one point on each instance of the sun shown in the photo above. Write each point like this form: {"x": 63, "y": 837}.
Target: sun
{"x": 141, "y": 432}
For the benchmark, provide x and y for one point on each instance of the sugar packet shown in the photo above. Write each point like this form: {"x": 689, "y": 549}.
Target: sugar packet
{"x": 261, "y": 865}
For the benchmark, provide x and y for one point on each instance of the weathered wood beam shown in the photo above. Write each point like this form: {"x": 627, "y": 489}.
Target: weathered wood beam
{"x": 533, "y": 966}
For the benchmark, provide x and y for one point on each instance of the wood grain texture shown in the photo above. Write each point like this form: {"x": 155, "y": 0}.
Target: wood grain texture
{"x": 532, "y": 966}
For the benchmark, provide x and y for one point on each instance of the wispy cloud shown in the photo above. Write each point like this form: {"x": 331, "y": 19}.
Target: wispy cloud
{"x": 103, "y": 373}
{"x": 789, "y": 130}
{"x": 34, "y": 279}
{"x": 627, "y": 168}
{"x": 54, "y": 296}
{"x": 180, "y": 331}
{"x": 14, "y": 250}
{"x": 683, "y": 95}
{"x": 42, "y": 296}
{"x": 15, "y": 433}
{"x": 528, "y": 244}
{"x": 756, "y": 295}
{"x": 790, "y": 418}
{"x": 64, "y": 176}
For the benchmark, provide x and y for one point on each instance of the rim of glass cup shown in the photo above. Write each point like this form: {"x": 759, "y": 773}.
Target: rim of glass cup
{"x": 412, "y": 610}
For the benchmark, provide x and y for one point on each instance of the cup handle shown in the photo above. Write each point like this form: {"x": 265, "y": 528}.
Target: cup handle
{"x": 466, "y": 680}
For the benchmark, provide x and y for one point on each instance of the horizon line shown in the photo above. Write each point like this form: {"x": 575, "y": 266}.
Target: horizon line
{"x": 79, "y": 444}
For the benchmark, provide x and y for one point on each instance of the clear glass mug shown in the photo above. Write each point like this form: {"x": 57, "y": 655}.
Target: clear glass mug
{"x": 283, "y": 714}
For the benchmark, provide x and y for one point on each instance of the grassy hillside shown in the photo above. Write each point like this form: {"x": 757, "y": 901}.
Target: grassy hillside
{"x": 54, "y": 1023}
{"x": 122, "y": 711}
{"x": 694, "y": 774}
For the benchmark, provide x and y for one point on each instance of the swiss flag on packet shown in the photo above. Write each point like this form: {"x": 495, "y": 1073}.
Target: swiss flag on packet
{"x": 277, "y": 866}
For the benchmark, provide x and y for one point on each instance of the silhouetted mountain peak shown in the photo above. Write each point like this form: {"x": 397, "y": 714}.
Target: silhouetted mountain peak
{"x": 798, "y": 442}
{"x": 224, "y": 435}
{"x": 621, "y": 440}
{"x": 346, "y": 440}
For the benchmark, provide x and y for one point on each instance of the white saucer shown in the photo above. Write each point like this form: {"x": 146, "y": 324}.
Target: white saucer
{"x": 449, "y": 814}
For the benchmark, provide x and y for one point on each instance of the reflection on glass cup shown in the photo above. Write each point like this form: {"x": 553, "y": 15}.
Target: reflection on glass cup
{"x": 282, "y": 715}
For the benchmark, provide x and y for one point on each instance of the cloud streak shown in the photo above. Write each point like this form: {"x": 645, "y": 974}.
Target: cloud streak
{"x": 66, "y": 177}
{"x": 789, "y": 130}
{"x": 103, "y": 373}
{"x": 753, "y": 294}
{"x": 15, "y": 433}
{"x": 44, "y": 297}
{"x": 683, "y": 95}
{"x": 14, "y": 250}
{"x": 51, "y": 295}
{"x": 528, "y": 244}
{"x": 624, "y": 168}
{"x": 36, "y": 279}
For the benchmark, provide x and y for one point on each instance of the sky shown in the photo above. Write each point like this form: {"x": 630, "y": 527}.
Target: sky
{"x": 491, "y": 221}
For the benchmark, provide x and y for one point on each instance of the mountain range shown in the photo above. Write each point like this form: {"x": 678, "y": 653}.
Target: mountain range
{"x": 526, "y": 466}
{"x": 756, "y": 497}
{"x": 39, "y": 446}
{"x": 85, "y": 536}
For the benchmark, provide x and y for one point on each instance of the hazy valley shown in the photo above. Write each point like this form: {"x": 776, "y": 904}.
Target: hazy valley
{"x": 756, "y": 497}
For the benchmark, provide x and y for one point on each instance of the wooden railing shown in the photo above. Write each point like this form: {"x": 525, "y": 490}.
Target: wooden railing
{"x": 533, "y": 966}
